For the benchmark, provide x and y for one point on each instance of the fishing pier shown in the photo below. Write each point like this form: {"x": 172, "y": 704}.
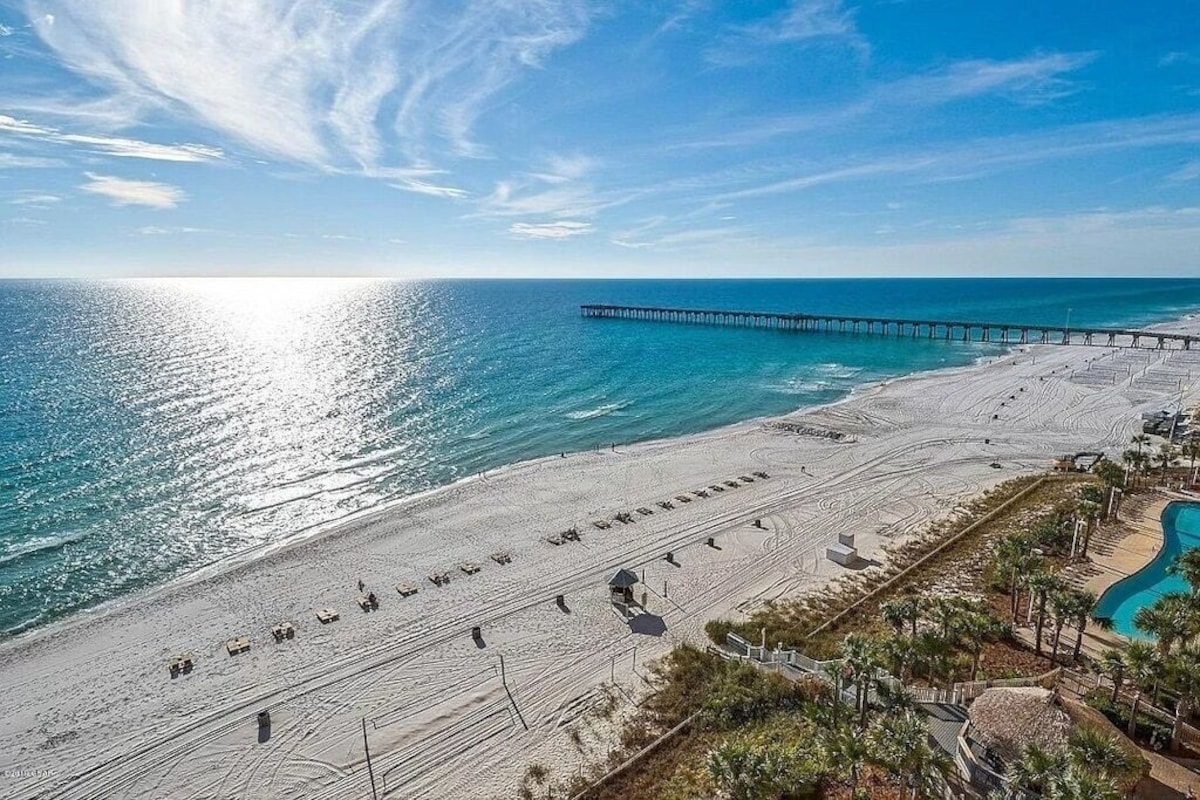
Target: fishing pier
{"x": 889, "y": 326}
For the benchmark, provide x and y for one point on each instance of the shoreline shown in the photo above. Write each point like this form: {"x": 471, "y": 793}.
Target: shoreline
{"x": 238, "y": 559}
{"x": 917, "y": 446}
{"x": 332, "y": 528}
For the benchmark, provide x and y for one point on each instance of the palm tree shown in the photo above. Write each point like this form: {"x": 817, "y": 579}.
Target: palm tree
{"x": 1037, "y": 770}
{"x": 976, "y": 628}
{"x": 901, "y": 652}
{"x": 1165, "y": 458}
{"x": 1140, "y": 439}
{"x": 901, "y": 610}
{"x": 1183, "y": 674}
{"x": 935, "y": 652}
{"x": 1043, "y": 586}
{"x": 1191, "y": 449}
{"x": 900, "y": 744}
{"x": 850, "y": 750}
{"x": 1089, "y": 511}
{"x": 1093, "y": 749}
{"x": 945, "y": 613}
{"x": 1170, "y": 619}
{"x": 1085, "y": 601}
{"x": 861, "y": 656}
{"x": 1062, "y": 608}
{"x": 1112, "y": 664}
{"x": 744, "y": 772}
{"x": 1187, "y": 566}
{"x": 1142, "y": 667}
{"x": 1014, "y": 555}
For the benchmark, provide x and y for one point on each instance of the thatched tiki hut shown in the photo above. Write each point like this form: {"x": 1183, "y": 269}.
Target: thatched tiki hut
{"x": 621, "y": 586}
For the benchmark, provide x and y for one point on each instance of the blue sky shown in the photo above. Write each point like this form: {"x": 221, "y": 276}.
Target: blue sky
{"x": 570, "y": 138}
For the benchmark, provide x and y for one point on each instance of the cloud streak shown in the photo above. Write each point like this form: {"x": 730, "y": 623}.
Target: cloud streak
{"x": 354, "y": 87}
{"x": 562, "y": 229}
{"x": 124, "y": 192}
{"x": 110, "y": 145}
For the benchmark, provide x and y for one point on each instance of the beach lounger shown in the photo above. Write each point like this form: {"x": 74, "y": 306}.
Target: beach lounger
{"x": 683, "y": 498}
{"x": 570, "y": 535}
{"x": 700, "y": 493}
{"x": 327, "y": 615}
{"x": 666, "y": 505}
{"x": 283, "y": 630}
{"x": 732, "y": 484}
{"x": 602, "y": 524}
{"x": 717, "y": 488}
{"x": 501, "y": 557}
{"x": 469, "y": 568}
{"x": 555, "y": 539}
{"x": 762, "y": 475}
{"x": 624, "y": 518}
{"x": 364, "y": 603}
{"x": 745, "y": 479}
{"x": 239, "y": 644}
{"x": 439, "y": 578}
{"x": 406, "y": 589}
{"x": 645, "y": 512}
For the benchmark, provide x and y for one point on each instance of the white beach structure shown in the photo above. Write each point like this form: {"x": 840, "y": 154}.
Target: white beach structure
{"x": 844, "y": 552}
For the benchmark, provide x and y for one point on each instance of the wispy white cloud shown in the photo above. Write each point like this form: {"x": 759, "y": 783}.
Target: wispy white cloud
{"x": 13, "y": 161}
{"x": 419, "y": 186}
{"x": 110, "y": 145}
{"x": 1032, "y": 80}
{"x": 1188, "y": 172}
{"x": 801, "y": 22}
{"x": 155, "y": 230}
{"x": 1179, "y": 57}
{"x": 124, "y": 192}
{"x": 356, "y": 86}
{"x": 35, "y": 199}
{"x": 562, "y": 229}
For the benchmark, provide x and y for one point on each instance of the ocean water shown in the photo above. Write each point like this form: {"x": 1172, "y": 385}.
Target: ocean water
{"x": 148, "y": 428}
{"x": 1122, "y": 600}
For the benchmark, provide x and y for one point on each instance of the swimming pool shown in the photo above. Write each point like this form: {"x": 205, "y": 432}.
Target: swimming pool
{"x": 1181, "y": 531}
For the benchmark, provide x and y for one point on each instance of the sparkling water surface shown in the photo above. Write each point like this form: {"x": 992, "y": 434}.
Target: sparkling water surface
{"x": 148, "y": 428}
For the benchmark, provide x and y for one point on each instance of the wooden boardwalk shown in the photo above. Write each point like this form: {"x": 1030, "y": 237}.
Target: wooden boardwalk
{"x": 953, "y": 330}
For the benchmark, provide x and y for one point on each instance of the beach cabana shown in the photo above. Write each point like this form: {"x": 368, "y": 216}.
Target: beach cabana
{"x": 621, "y": 585}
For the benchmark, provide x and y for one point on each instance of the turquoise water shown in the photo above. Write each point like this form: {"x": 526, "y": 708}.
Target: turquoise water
{"x": 1181, "y": 531}
{"x": 151, "y": 427}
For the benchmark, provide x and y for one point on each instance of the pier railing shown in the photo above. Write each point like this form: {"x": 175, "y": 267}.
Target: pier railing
{"x": 954, "y": 330}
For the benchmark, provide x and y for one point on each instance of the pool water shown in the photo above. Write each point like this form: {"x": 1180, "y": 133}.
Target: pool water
{"x": 1181, "y": 531}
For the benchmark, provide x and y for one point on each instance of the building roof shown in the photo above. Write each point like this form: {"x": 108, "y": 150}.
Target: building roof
{"x": 623, "y": 579}
{"x": 1006, "y": 720}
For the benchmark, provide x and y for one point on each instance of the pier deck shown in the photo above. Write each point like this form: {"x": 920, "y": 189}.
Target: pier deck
{"x": 955, "y": 330}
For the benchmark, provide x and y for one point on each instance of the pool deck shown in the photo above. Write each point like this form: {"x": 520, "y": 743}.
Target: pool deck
{"x": 1119, "y": 550}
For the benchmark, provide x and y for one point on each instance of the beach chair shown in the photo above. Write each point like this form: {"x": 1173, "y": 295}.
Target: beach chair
{"x": 439, "y": 578}
{"x": 762, "y": 475}
{"x": 645, "y": 512}
{"x": 745, "y": 479}
{"x": 469, "y": 567}
{"x": 406, "y": 589}
{"x": 717, "y": 488}
{"x": 501, "y": 557}
{"x": 180, "y": 664}
{"x": 238, "y": 644}
{"x": 570, "y": 535}
{"x": 364, "y": 603}
{"x": 624, "y": 518}
{"x": 666, "y": 505}
{"x": 327, "y": 615}
{"x": 683, "y": 498}
{"x": 700, "y": 493}
{"x": 732, "y": 484}
{"x": 283, "y": 630}
{"x": 602, "y": 524}
{"x": 555, "y": 539}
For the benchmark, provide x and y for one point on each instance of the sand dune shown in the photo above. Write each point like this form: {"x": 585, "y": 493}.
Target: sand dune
{"x": 89, "y": 709}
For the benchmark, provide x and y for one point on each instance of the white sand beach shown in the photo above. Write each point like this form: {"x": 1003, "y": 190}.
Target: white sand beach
{"x": 89, "y": 709}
